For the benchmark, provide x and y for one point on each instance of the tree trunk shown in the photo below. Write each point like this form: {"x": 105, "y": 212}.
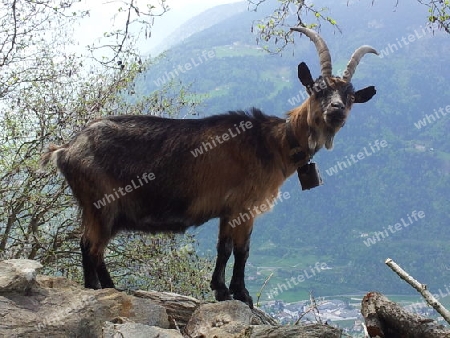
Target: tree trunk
{"x": 386, "y": 319}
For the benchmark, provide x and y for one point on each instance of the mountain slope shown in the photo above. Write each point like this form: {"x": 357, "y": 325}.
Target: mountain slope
{"x": 363, "y": 213}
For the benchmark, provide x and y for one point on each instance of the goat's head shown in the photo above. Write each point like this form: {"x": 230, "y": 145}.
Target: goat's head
{"x": 331, "y": 97}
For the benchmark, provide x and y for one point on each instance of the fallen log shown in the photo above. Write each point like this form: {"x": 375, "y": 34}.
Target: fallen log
{"x": 386, "y": 319}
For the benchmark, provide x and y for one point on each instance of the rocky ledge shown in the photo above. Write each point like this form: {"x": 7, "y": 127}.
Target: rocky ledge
{"x": 33, "y": 305}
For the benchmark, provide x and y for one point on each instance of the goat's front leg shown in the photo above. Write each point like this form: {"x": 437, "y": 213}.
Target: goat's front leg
{"x": 241, "y": 246}
{"x": 224, "y": 249}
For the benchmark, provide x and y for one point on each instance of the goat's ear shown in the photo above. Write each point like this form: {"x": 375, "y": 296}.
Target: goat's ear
{"x": 364, "y": 95}
{"x": 304, "y": 75}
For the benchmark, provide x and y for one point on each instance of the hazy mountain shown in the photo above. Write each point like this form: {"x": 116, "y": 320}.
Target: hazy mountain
{"x": 199, "y": 23}
{"x": 367, "y": 210}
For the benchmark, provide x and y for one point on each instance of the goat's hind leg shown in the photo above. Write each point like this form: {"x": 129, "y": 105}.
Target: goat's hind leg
{"x": 91, "y": 280}
{"x": 96, "y": 274}
{"x": 224, "y": 249}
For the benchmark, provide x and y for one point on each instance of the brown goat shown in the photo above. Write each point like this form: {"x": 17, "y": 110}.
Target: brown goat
{"x": 180, "y": 187}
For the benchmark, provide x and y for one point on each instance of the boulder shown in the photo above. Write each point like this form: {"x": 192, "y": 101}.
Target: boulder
{"x": 179, "y": 308}
{"x": 137, "y": 330}
{"x": 43, "y": 306}
{"x": 18, "y": 275}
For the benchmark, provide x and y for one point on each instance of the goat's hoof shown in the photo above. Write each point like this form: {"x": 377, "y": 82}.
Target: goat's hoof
{"x": 222, "y": 294}
{"x": 93, "y": 285}
{"x": 244, "y": 296}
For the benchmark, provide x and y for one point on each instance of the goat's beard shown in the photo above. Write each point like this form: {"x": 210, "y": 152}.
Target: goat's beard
{"x": 317, "y": 140}
{"x": 329, "y": 142}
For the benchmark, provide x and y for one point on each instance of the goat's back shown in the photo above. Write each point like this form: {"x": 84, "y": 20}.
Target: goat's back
{"x": 191, "y": 176}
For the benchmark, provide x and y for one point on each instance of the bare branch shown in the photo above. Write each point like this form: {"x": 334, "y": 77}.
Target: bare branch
{"x": 13, "y": 39}
{"x": 421, "y": 288}
{"x": 276, "y": 27}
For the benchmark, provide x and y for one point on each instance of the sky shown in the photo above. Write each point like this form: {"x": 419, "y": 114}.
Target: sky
{"x": 102, "y": 11}
{"x": 182, "y": 10}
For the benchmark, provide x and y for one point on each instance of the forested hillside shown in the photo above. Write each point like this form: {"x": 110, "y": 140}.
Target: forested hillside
{"x": 392, "y": 201}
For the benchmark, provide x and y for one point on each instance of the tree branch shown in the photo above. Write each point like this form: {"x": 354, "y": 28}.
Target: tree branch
{"x": 421, "y": 288}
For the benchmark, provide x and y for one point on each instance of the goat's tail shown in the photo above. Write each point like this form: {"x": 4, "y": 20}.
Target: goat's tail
{"x": 51, "y": 155}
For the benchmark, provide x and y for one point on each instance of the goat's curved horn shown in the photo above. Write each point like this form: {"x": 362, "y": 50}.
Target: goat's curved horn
{"x": 354, "y": 60}
{"x": 322, "y": 49}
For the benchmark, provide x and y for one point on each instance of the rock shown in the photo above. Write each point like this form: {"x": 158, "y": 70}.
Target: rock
{"x": 56, "y": 307}
{"x": 52, "y": 282}
{"x": 260, "y": 318}
{"x": 225, "y": 319}
{"x": 43, "y": 306}
{"x": 18, "y": 275}
{"x": 148, "y": 312}
{"x": 136, "y": 330}
{"x": 74, "y": 312}
{"x": 179, "y": 308}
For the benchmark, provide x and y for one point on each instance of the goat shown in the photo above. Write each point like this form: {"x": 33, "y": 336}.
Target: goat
{"x": 183, "y": 188}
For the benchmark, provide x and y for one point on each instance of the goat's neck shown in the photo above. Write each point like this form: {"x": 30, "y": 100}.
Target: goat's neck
{"x": 304, "y": 135}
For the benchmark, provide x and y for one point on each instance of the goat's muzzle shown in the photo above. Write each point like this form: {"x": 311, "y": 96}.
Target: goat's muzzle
{"x": 335, "y": 115}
